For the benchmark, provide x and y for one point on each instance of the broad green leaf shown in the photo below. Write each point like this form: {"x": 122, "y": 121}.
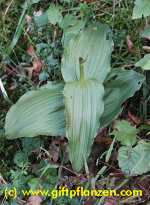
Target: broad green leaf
{"x": 35, "y": 1}
{"x": 135, "y": 161}
{"x": 141, "y": 8}
{"x": 71, "y": 27}
{"x": 84, "y": 106}
{"x": 72, "y": 30}
{"x": 85, "y": 10}
{"x": 54, "y": 14}
{"x": 41, "y": 20}
{"x": 85, "y": 65}
{"x": 93, "y": 45}
{"x": 125, "y": 133}
{"x": 21, "y": 158}
{"x": 68, "y": 1}
{"x": 68, "y": 21}
{"x": 146, "y": 32}
{"x": 37, "y": 113}
{"x": 144, "y": 63}
{"x": 124, "y": 83}
{"x": 119, "y": 86}
{"x": 31, "y": 144}
{"x": 34, "y": 183}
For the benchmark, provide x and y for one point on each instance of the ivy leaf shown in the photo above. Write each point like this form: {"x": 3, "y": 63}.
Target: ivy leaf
{"x": 38, "y": 112}
{"x": 31, "y": 144}
{"x": 125, "y": 133}
{"x": 41, "y": 20}
{"x": 54, "y": 14}
{"x": 20, "y": 159}
{"x": 144, "y": 63}
{"x": 141, "y": 8}
{"x": 135, "y": 161}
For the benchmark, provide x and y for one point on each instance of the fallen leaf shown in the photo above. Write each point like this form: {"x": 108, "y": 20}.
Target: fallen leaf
{"x": 129, "y": 43}
{"x": 148, "y": 122}
{"x": 89, "y": 201}
{"x": 12, "y": 87}
{"x": 105, "y": 141}
{"x": 31, "y": 51}
{"x": 35, "y": 200}
{"x": 111, "y": 201}
{"x": 119, "y": 174}
{"x": 103, "y": 138}
{"x": 147, "y": 38}
{"x": 35, "y": 69}
{"x": 28, "y": 19}
{"x": 146, "y": 48}
{"x": 54, "y": 150}
{"x": 133, "y": 119}
{"x": 37, "y": 65}
{"x": 30, "y": 71}
{"x": 2, "y": 180}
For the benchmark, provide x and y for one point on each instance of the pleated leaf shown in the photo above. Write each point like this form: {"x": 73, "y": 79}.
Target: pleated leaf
{"x": 39, "y": 112}
{"x": 85, "y": 65}
{"x": 127, "y": 82}
{"x": 84, "y": 106}
{"x": 120, "y": 85}
{"x": 144, "y": 63}
{"x": 93, "y": 45}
